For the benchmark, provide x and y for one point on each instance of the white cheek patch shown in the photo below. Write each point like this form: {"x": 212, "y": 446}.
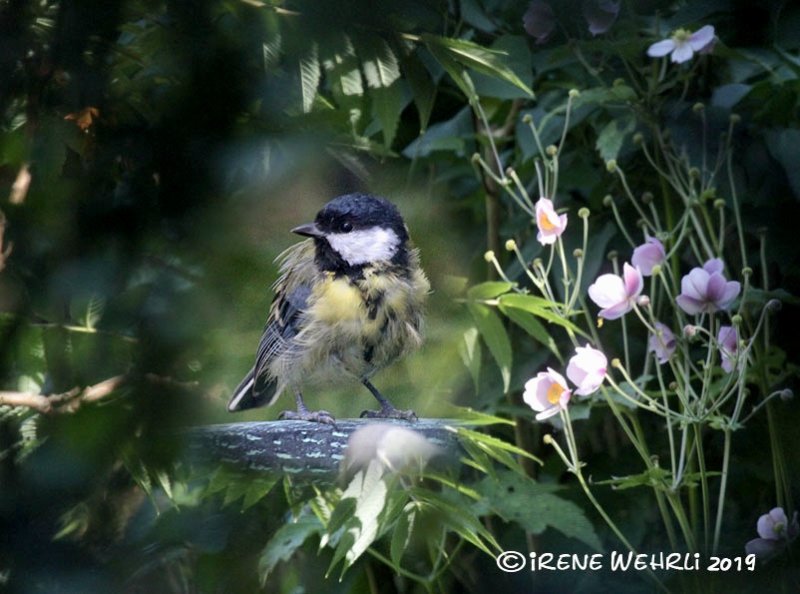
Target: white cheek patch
{"x": 366, "y": 245}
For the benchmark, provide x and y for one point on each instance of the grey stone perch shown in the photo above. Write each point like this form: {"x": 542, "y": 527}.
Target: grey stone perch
{"x": 299, "y": 448}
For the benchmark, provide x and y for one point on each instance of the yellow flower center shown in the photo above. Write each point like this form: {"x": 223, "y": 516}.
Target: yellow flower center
{"x": 554, "y": 393}
{"x": 681, "y": 35}
{"x": 544, "y": 223}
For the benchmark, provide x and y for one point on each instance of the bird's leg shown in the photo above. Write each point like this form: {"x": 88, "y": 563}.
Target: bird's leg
{"x": 387, "y": 411}
{"x": 303, "y": 414}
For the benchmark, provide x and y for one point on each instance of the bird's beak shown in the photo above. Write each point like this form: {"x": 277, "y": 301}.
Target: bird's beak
{"x": 309, "y": 230}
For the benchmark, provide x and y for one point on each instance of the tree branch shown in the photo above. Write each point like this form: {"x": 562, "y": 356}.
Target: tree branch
{"x": 299, "y": 448}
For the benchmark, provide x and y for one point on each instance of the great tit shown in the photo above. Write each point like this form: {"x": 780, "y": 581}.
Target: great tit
{"x": 347, "y": 303}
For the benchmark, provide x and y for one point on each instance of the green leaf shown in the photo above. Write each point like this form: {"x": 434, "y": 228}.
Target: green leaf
{"x": 310, "y": 74}
{"x": 468, "y": 416}
{"x": 444, "y": 136}
{"x": 470, "y": 352}
{"x": 534, "y": 507}
{"x": 402, "y": 535}
{"x": 528, "y": 322}
{"x": 488, "y": 290}
{"x": 271, "y": 51}
{"x": 285, "y": 542}
{"x": 496, "y": 448}
{"x": 387, "y": 103}
{"x": 422, "y": 88}
{"x": 612, "y": 136}
{"x": 456, "y": 71}
{"x": 381, "y": 68}
{"x": 539, "y": 307}
{"x": 257, "y": 489}
{"x": 450, "y": 510}
{"x": 477, "y": 57}
{"x": 518, "y": 59}
{"x": 496, "y": 338}
{"x": 368, "y": 490}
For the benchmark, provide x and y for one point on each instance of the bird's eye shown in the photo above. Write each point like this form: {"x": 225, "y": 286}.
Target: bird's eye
{"x": 346, "y": 227}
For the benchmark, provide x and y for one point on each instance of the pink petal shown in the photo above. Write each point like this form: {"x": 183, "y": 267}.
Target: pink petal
{"x": 701, "y": 38}
{"x": 607, "y": 290}
{"x": 634, "y": 283}
{"x": 547, "y": 413}
{"x": 616, "y": 311}
{"x": 661, "y": 48}
{"x": 714, "y": 265}
{"x": 766, "y": 527}
{"x": 690, "y": 305}
{"x": 682, "y": 53}
{"x": 715, "y": 288}
{"x": 730, "y": 293}
{"x": 695, "y": 284}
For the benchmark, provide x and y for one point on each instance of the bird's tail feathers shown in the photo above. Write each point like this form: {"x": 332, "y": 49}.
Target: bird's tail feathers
{"x": 251, "y": 393}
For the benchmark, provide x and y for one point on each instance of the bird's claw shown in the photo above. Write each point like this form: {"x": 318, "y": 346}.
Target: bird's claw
{"x": 390, "y": 413}
{"x": 317, "y": 416}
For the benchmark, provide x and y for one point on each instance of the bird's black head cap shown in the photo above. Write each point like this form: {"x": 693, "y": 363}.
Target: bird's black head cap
{"x": 351, "y": 213}
{"x": 360, "y": 211}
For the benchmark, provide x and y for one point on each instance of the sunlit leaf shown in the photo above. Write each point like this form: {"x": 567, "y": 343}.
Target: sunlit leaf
{"x": 310, "y": 74}
{"x": 469, "y": 350}
{"x": 528, "y": 322}
{"x": 488, "y": 290}
{"x": 477, "y": 57}
{"x": 538, "y": 307}
{"x": 496, "y": 338}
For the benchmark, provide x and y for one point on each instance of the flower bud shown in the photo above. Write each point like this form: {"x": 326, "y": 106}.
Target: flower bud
{"x": 489, "y": 256}
{"x": 719, "y": 204}
{"x": 774, "y": 305}
{"x": 643, "y": 301}
{"x": 608, "y": 201}
{"x": 551, "y": 150}
{"x": 786, "y": 394}
{"x": 476, "y": 158}
{"x": 537, "y": 263}
{"x": 583, "y": 212}
{"x": 656, "y": 270}
{"x": 736, "y": 320}
{"x": 698, "y": 107}
{"x": 611, "y": 165}
{"x": 735, "y": 118}
{"x": 612, "y": 255}
{"x": 647, "y": 197}
{"x": 641, "y": 223}
{"x": 577, "y": 253}
{"x": 615, "y": 362}
{"x": 511, "y": 245}
{"x": 638, "y": 138}
{"x": 527, "y": 118}
{"x": 694, "y": 173}
{"x": 673, "y": 386}
{"x": 747, "y": 272}
{"x": 574, "y": 93}
{"x": 548, "y": 439}
{"x": 689, "y": 331}
{"x": 509, "y": 171}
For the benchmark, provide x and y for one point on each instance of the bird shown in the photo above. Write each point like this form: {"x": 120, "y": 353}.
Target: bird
{"x": 349, "y": 301}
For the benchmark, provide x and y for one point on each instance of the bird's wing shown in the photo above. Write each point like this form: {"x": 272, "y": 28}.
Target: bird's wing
{"x": 286, "y": 316}
{"x": 292, "y": 289}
